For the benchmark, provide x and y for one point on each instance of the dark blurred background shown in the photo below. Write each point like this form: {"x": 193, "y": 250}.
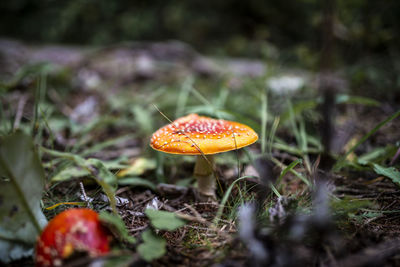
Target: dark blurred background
{"x": 366, "y": 32}
{"x": 360, "y": 25}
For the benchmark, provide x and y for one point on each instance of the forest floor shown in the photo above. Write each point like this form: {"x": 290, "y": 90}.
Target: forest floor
{"x": 105, "y": 104}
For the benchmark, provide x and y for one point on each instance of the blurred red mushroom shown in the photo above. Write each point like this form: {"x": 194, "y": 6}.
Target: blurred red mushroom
{"x": 73, "y": 230}
{"x": 202, "y": 136}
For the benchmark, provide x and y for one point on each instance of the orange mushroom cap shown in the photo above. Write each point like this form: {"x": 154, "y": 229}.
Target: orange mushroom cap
{"x": 73, "y": 230}
{"x": 193, "y": 134}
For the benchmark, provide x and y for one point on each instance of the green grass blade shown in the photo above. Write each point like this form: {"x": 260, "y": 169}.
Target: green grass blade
{"x": 183, "y": 97}
{"x": 288, "y": 168}
{"x": 341, "y": 160}
{"x": 225, "y": 198}
{"x": 276, "y": 192}
{"x": 271, "y": 137}
{"x": 291, "y": 170}
{"x": 264, "y": 119}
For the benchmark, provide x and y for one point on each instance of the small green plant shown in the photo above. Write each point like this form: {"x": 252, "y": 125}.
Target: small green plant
{"x": 154, "y": 246}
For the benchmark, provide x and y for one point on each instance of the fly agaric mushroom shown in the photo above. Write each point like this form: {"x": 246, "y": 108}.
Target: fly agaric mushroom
{"x": 73, "y": 230}
{"x": 202, "y": 136}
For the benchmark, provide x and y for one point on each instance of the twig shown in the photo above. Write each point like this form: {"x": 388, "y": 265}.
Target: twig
{"x": 138, "y": 228}
{"x": 193, "y": 210}
{"x": 192, "y": 218}
{"x": 85, "y": 198}
{"x": 395, "y": 157}
{"x": 20, "y": 111}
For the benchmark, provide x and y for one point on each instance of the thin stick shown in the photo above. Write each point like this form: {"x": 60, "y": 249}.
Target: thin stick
{"x": 20, "y": 111}
{"x": 85, "y": 198}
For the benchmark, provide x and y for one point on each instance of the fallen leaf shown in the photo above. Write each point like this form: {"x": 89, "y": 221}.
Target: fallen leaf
{"x": 153, "y": 246}
{"x": 164, "y": 220}
{"x": 138, "y": 167}
{"x": 21, "y": 183}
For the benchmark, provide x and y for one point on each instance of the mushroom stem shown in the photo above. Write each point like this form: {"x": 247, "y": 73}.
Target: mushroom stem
{"x": 203, "y": 171}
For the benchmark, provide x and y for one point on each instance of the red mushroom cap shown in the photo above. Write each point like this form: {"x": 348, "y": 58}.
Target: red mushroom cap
{"x": 194, "y": 134}
{"x": 73, "y": 230}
